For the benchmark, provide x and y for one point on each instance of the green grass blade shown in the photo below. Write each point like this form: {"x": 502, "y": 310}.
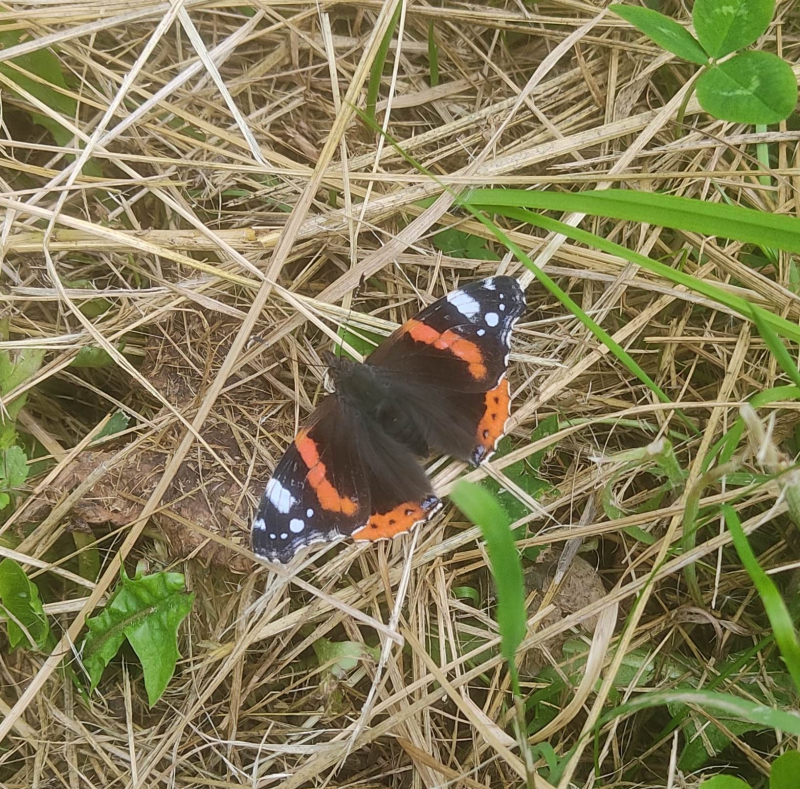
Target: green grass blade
{"x": 777, "y": 349}
{"x": 781, "y": 621}
{"x": 484, "y": 510}
{"x": 433, "y": 56}
{"x": 376, "y": 71}
{"x": 601, "y": 334}
{"x": 784, "y": 327}
{"x": 775, "y": 395}
{"x": 762, "y": 154}
{"x": 680, "y": 213}
{"x": 769, "y": 717}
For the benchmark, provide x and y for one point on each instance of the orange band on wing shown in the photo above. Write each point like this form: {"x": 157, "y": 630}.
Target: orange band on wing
{"x": 329, "y": 498}
{"x": 448, "y": 341}
{"x": 382, "y": 526}
{"x": 493, "y": 424}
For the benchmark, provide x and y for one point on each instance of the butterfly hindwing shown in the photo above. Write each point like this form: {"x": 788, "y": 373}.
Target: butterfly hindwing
{"x": 390, "y": 517}
{"x": 340, "y": 478}
{"x": 489, "y": 412}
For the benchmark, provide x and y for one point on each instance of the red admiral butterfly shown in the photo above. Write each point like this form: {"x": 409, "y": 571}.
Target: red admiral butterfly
{"x": 439, "y": 382}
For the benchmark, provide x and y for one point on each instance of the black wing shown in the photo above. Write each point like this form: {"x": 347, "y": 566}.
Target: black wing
{"x": 319, "y": 490}
{"x": 449, "y": 362}
{"x": 460, "y": 342}
{"x": 340, "y": 478}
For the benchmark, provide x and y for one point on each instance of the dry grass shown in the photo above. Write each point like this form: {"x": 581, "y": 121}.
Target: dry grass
{"x": 238, "y": 198}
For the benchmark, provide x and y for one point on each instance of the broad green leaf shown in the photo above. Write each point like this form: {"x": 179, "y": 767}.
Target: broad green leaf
{"x": 724, "y": 782}
{"x": 13, "y": 470}
{"x": 19, "y": 600}
{"x": 180, "y": 125}
{"x": 147, "y": 611}
{"x": 785, "y": 771}
{"x": 779, "y": 617}
{"x": 118, "y": 422}
{"x": 341, "y": 657}
{"x": 15, "y": 370}
{"x": 752, "y": 87}
{"x": 458, "y": 244}
{"x": 666, "y": 32}
{"x": 546, "y": 427}
{"x": 45, "y": 65}
{"x": 484, "y": 510}
{"x": 90, "y": 356}
{"x": 91, "y": 308}
{"x": 88, "y": 553}
{"x": 13, "y": 467}
{"x": 359, "y": 339}
{"x": 703, "y": 740}
{"x": 723, "y": 26}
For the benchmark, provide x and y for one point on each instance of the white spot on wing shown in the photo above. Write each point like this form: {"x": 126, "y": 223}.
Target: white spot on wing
{"x": 480, "y": 332}
{"x": 279, "y": 496}
{"x": 464, "y": 303}
{"x": 284, "y": 536}
{"x": 489, "y": 284}
{"x": 492, "y": 319}
{"x": 259, "y": 524}
{"x": 309, "y": 513}
{"x": 296, "y": 525}
{"x": 502, "y": 308}
{"x": 273, "y": 536}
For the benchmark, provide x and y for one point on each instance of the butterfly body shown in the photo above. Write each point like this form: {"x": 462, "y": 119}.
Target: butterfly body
{"x": 375, "y": 395}
{"x": 438, "y": 383}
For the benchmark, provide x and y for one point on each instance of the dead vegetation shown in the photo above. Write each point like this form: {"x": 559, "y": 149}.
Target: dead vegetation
{"x": 234, "y": 196}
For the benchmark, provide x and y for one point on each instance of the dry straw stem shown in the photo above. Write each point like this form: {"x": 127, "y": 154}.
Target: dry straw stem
{"x": 235, "y": 196}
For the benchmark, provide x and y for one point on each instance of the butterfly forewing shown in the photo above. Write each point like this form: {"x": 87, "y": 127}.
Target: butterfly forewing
{"x": 460, "y": 342}
{"x": 319, "y": 490}
{"x": 451, "y": 361}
